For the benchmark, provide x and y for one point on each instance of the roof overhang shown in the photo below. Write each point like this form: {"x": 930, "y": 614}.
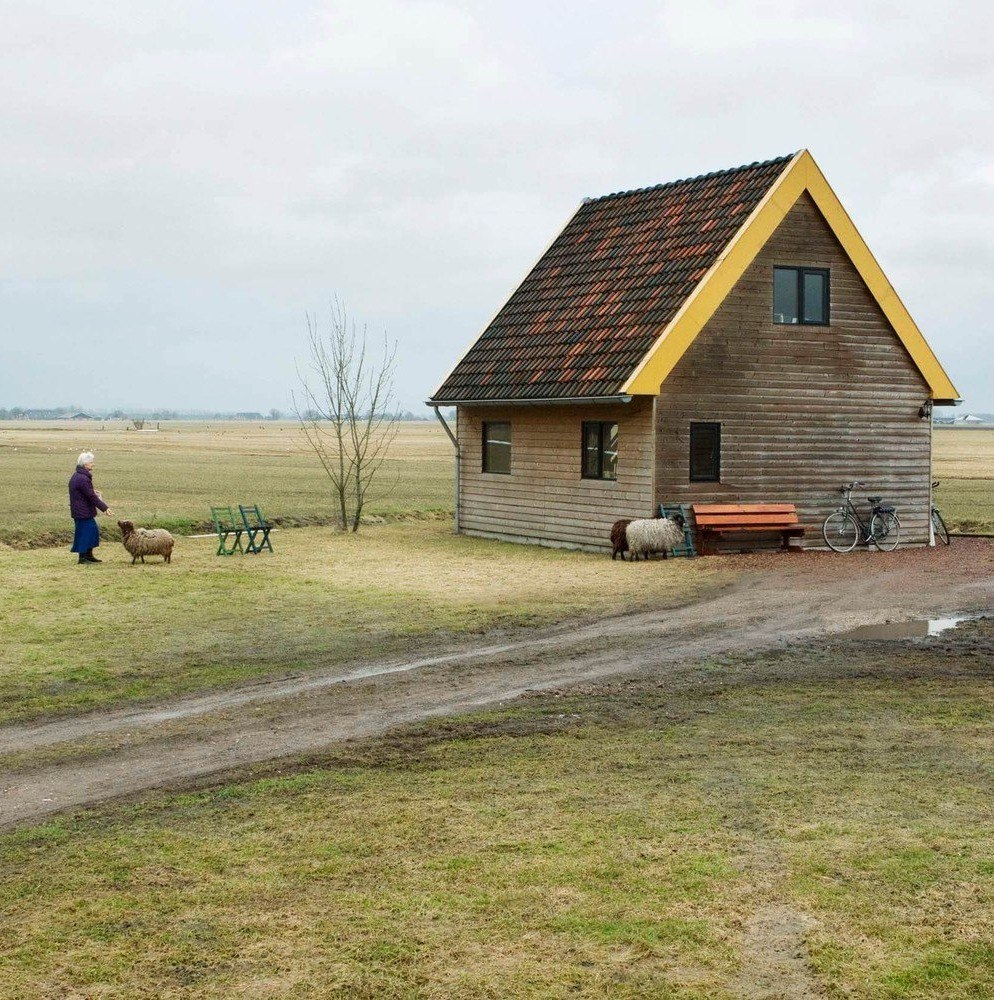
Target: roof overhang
{"x": 555, "y": 401}
{"x": 799, "y": 176}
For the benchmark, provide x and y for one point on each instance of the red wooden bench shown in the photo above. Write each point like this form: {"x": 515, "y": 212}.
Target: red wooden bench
{"x": 714, "y": 520}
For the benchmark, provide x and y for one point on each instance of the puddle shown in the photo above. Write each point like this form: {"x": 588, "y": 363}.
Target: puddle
{"x": 922, "y": 628}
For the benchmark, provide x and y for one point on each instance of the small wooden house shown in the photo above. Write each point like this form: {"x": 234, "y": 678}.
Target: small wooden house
{"x": 728, "y": 337}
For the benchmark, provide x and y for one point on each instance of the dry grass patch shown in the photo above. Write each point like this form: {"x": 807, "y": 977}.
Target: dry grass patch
{"x": 614, "y": 843}
{"x": 79, "y": 637}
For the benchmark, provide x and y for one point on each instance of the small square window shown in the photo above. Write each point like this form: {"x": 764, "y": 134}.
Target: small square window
{"x": 497, "y": 447}
{"x": 600, "y": 450}
{"x": 705, "y": 452}
{"x": 800, "y": 295}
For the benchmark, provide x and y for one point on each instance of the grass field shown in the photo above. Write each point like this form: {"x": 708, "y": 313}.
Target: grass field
{"x": 172, "y": 477}
{"x": 617, "y": 843}
{"x": 964, "y": 464}
{"x": 613, "y": 842}
{"x": 80, "y": 637}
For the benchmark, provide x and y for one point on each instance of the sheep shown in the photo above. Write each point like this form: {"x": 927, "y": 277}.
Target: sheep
{"x": 619, "y": 543}
{"x": 655, "y": 534}
{"x": 141, "y": 542}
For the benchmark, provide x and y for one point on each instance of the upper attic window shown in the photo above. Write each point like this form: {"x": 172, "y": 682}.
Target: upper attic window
{"x": 800, "y": 295}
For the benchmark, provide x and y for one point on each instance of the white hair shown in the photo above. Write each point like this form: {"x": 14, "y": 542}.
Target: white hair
{"x": 85, "y": 458}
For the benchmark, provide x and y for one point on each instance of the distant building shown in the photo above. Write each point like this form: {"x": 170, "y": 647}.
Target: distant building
{"x": 81, "y": 416}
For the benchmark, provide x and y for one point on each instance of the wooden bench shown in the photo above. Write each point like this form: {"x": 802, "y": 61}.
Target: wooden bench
{"x": 715, "y": 520}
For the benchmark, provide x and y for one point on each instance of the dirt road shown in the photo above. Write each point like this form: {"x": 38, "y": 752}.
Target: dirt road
{"x": 779, "y": 599}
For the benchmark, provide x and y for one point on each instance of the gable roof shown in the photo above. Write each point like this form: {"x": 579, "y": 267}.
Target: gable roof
{"x": 625, "y": 288}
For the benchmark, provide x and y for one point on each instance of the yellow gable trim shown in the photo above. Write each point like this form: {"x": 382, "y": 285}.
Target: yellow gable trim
{"x": 800, "y": 175}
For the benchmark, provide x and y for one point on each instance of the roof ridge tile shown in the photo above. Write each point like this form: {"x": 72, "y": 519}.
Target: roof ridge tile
{"x": 755, "y": 165}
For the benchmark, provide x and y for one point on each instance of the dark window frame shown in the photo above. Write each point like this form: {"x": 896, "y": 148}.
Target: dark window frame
{"x": 800, "y": 272}
{"x": 484, "y": 463}
{"x": 714, "y": 474}
{"x": 600, "y": 425}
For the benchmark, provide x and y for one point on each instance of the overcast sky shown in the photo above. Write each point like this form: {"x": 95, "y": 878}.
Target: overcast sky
{"x": 180, "y": 183}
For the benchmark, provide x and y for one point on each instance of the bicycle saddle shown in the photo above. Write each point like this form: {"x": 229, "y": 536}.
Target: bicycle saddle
{"x": 874, "y": 499}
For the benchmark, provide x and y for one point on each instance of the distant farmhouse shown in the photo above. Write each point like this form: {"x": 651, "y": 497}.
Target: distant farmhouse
{"x": 728, "y": 337}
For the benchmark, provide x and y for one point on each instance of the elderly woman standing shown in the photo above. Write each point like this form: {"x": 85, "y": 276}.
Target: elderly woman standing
{"x": 84, "y": 502}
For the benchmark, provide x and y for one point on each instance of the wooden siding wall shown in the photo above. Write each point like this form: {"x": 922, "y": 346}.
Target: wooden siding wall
{"x": 544, "y": 499}
{"x": 802, "y": 408}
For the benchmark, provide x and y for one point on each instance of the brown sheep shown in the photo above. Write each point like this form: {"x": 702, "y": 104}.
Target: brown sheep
{"x": 619, "y": 538}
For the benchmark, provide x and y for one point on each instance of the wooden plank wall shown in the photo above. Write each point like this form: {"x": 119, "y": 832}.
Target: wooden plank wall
{"x": 802, "y": 408}
{"x": 544, "y": 499}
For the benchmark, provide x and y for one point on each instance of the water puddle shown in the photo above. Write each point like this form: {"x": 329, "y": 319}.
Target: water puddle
{"x": 921, "y": 628}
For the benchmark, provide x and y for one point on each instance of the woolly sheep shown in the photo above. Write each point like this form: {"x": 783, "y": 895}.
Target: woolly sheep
{"x": 141, "y": 542}
{"x": 656, "y": 534}
{"x": 619, "y": 543}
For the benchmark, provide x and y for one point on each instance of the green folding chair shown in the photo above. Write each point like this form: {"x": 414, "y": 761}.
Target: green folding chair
{"x": 256, "y": 527}
{"x": 227, "y": 527}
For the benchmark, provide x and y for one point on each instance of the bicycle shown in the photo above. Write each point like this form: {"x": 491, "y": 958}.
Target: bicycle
{"x": 938, "y": 524}
{"x": 845, "y": 529}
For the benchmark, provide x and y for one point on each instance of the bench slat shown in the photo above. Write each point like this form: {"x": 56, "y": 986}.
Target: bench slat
{"x": 790, "y": 529}
{"x": 770, "y": 519}
{"x": 745, "y": 508}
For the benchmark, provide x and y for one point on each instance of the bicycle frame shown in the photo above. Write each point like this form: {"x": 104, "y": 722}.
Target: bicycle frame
{"x": 848, "y": 507}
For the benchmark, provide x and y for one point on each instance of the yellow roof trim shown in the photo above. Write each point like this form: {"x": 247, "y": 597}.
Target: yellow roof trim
{"x": 799, "y": 176}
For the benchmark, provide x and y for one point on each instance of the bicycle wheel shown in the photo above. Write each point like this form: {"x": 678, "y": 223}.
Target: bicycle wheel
{"x": 885, "y": 530}
{"x": 841, "y": 531}
{"x": 941, "y": 531}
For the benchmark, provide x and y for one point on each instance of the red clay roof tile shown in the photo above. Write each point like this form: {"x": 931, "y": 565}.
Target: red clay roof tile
{"x": 593, "y": 306}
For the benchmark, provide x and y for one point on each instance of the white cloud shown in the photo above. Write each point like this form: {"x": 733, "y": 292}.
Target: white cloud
{"x": 179, "y": 176}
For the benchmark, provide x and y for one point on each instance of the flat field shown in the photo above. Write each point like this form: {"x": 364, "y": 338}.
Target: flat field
{"x": 818, "y": 820}
{"x": 173, "y": 476}
{"x": 964, "y": 464}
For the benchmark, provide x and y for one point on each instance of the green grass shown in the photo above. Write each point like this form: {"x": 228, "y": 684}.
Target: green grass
{"x": 82, "y": 637}
{"x": 967, "y": 505}
{"x": 608, "y": 844}
{"x": 171, "y": 478}
{"x": 964, "y": 463}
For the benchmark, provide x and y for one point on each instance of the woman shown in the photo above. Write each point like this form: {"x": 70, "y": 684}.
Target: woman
{"x": 84, "y": 502}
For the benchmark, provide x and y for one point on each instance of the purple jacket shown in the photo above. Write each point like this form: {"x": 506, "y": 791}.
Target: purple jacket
{"x": 83, "y": 501}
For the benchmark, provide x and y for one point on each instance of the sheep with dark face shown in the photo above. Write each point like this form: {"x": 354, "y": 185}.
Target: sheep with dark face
{"x": 141, "y": 542}
{"x": 619, "y": 541}
{"x": 654, "y": 534}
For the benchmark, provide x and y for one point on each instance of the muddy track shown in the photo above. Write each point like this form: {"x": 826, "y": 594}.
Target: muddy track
{"x": 778, "y": 600}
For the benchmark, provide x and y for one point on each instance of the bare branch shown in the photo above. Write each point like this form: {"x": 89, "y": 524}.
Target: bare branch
{"x": 347, "y": 395}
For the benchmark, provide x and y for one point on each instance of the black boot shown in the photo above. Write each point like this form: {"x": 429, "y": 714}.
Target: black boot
{"x": 82, "y": 559}
{"x": 90, "y": 557}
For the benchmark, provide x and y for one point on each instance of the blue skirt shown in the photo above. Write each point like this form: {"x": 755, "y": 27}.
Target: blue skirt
{"x": 87, "y": 535}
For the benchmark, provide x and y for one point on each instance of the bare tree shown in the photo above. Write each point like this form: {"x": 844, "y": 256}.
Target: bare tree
{"x": 347, "y": 394}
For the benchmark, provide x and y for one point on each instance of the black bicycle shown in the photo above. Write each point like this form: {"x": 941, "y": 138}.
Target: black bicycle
{"x": 938, "y": 525}
{"x": 845, "y": 529}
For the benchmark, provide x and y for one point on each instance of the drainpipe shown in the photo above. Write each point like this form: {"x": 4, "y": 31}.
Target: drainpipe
{"x": 455, "y": 444}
